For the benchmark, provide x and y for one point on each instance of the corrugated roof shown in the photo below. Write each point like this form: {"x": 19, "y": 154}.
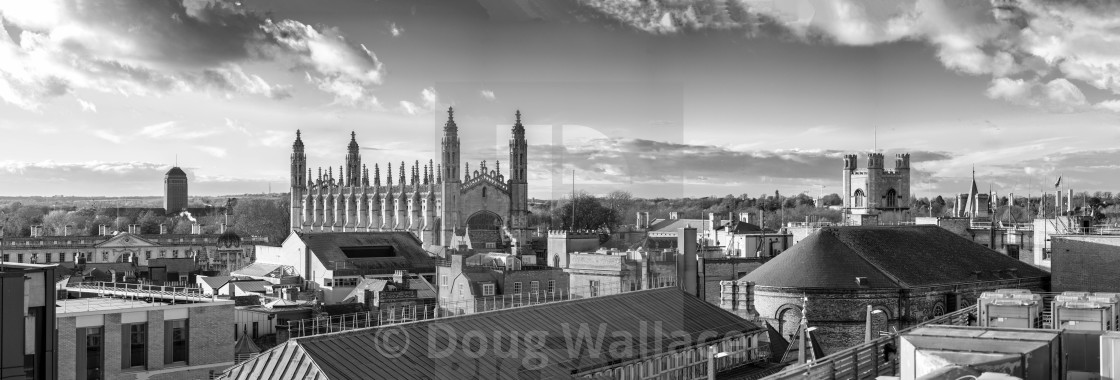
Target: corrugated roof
{"x": 890, "y": 257}
{"x": 627, "y": 319}
{"x": 409, "y": 255}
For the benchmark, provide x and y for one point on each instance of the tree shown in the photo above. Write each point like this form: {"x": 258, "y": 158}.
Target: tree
{"x": 262, "y": 217}
{"x": 590, "y": 214}
{"x": 620, "y": 202}
{"x": 149, "y": 222}
{"x": 832, "y": 200}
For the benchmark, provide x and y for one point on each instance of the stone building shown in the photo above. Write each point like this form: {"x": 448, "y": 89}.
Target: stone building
{"x": 875, "y": 190}
{"x": 435, "y": 202}
{"x": 174, "y": 191}
{"x": 466, "y": 288}
{"x": 120, "y": 338}
{"x": 910, "y": 273}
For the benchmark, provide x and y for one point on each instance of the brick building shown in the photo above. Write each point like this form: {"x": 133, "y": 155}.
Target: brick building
{"x": 909, "y": 273}
{"x": 116, "y": 338}
{"x": 1086, "y": 263}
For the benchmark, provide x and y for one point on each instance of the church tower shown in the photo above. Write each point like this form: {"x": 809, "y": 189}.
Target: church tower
{"x": 298, "y": 179}
{"x": 518, "y": 185}
{"x": 353, "y": 163}
{"x": 449, "y": 158}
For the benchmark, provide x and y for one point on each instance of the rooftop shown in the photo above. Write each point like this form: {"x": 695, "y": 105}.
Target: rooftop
{"x": 369, "y": 250}
{"x": 889, "y": 257}
{"x": 350, "y": 354}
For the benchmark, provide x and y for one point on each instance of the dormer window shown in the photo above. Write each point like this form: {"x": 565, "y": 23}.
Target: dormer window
{"x": 487, "y": 289}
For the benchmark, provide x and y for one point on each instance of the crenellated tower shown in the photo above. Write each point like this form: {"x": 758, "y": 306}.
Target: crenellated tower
{"x": 876, "y": 190}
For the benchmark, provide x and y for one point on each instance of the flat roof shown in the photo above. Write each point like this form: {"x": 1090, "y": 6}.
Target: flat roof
{"x": 101, "y": 304}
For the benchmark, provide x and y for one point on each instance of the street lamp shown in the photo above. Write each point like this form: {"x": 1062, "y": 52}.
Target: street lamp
{"x": 712, "y": 356}
{"x": 867, "y": 330}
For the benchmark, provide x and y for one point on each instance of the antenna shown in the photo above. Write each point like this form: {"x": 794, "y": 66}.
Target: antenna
{"x": 573, "y": 228}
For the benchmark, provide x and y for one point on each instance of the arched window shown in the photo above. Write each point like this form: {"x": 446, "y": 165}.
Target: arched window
{"x": 858, "y": 198}
{"x": 892, "y": 198}
{"x": 484, "y": 192}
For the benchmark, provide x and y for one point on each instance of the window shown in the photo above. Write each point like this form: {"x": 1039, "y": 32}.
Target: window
{"x": 176, "y": 351}
{"x": 49, "y": 256}
{"x": 534, "y": 287}
{"x": 460, "y": 290}
{"x": 94, "y": 357}
{"x": 19, "y": 257}
{"x": 175, "y": 253}
{"x": 7, "y": 257}
{"x": 147, "y": 255}
{"x": 517, "y": 287}
{"x": 593, "y": 288}
{"x": 858, "y": 198}
{"x": 892, "y": 198}
{"x": 443, "y": 281}
{"x": 137, "y": 345}
{"x": 487, "y": 289}
{"x": 551, "y": 286}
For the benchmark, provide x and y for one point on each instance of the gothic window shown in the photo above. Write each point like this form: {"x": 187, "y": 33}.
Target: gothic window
{"x": 892, "y": 198}
{"x": 484, "y": 192}
{"x": 858, "y": 198}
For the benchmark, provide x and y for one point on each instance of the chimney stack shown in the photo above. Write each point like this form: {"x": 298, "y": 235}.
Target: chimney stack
{"x": 400, "y": 278}
{"x": 1069, "y": 201}
{"x": 102, "y": 230}
{"x": 222, "y": 228}
{"x": 37, "y": 231}
{"x": 674, "y": 215}
{"x": 66, "y": 230}
{"x": 163, "y": 229}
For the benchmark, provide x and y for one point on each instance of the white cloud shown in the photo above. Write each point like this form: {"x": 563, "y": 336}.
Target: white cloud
{"x": 1058, "y": 95}
{"x": 428, "y": 99}
{"x": 395, "y": 30}
{"x": 212, "y": 150}
{"x": 487, "y": 94}
{"x": 146, "y": 48}
{"x": 1109, "y": 105}
{"x": 87, "y": 106}
{"x": 108, "y": 136}
{"x": 170, "y": 130}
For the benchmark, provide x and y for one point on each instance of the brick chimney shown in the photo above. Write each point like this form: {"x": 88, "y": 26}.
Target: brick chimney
{"x": 37, "y": 230}
{"x": 400, "y": 278}
{"x": 102, "y": 230}
{"x": 456, "y": 263}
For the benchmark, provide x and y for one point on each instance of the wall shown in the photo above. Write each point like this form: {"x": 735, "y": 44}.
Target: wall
{"x": 1086, "y": 263}
{"x": 715, "y": 270}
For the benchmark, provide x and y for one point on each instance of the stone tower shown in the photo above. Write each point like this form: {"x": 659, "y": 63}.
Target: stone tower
{"x": 876, "y": 190}
{"x": 449, "y": 159}
{"x": 518, "y": 184}
{"x": 298, "y": 181}
{"x": 353, "y": 163}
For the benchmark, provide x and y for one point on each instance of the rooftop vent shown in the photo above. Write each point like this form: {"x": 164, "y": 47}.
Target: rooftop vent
{"x": 861, "y": 281}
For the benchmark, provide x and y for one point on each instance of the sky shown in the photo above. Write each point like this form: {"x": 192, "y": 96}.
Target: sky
{"x": 662, "y": 98}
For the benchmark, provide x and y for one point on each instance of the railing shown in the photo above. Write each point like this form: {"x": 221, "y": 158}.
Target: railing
{"x": 865, "y": 361}
{"x": 193, "y": 294}
{"x": 446, "y": 309}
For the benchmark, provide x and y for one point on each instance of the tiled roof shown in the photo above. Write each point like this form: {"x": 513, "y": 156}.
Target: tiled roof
{"x": 245, "y": 346}
{"x": 409, "y": 254}
{"x": 890, "y": 257}
{"x": 630, "y": 318}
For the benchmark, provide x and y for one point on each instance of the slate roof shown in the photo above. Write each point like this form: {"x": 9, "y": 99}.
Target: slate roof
{"x": 259, "y": 269}
{"x": 409, "y": 254}
{"x": 740, "y": 228}
{"x": 672, "y": 225}
{"x": 181, "y": 265}
{"x": 370, "y": 354}
{"x": 890, "y": 257}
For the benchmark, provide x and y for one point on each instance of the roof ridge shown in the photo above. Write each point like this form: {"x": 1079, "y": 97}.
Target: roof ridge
{"x": 833, "y": 232}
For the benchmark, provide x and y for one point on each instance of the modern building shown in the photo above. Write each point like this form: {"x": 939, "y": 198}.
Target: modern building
{"x": 873, "y": 191}
{"x": 909, "y": 273}
{"x": 28, "y": 346}
{"x": 333, "y": 263}
{"x": 174, "y": 191}
{"x": 649, "y": 334}
{"x": 142, "y": 332}
{"x": 436, "y": 203}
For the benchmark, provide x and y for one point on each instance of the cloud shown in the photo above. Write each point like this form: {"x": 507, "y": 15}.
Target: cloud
{"x": 115, "y": 178}
{"x": 144, "y": 48}
{"x": 1037, "y": 42}
{"x": 212, "y": 150}
{"x": 428, "y": 99}
{"x": 395, "y": 30}
{"x": 645, "y": 161}
{"x": 87, "y": 106}
{"x": 487, "y": 94}
{"x": 170, "y": 130}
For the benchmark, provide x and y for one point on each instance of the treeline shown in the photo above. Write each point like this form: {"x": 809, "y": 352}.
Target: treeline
{"x": 619, "y": 208}
{"x": 247, "y": 217}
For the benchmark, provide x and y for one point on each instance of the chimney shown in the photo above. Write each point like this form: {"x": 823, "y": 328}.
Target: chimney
{"x": 1058, "y": 202}
{"x": 196, "y": 229}
{"x": 134, "y": 229}
{"x": 222, "y": 228}
{"x": 457, "y": 263}
{"x": 1069, "y": 202}
{"x": 163, "y": 229}
{"x": 66, "y": 230}
{"x": 686, "y": 260}
{"x": 399, "y": 277}
{"x": 673, "y": 215}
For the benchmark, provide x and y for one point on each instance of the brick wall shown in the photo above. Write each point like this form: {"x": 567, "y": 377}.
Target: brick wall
{"x": 112, "y": 346}
{"x": 1086, "y": 263}
{"x": 155, "y": 339}
{"x": 211, "y": 338}
{"x": 715, "y": 270}
{"x": 67, "y": 347}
